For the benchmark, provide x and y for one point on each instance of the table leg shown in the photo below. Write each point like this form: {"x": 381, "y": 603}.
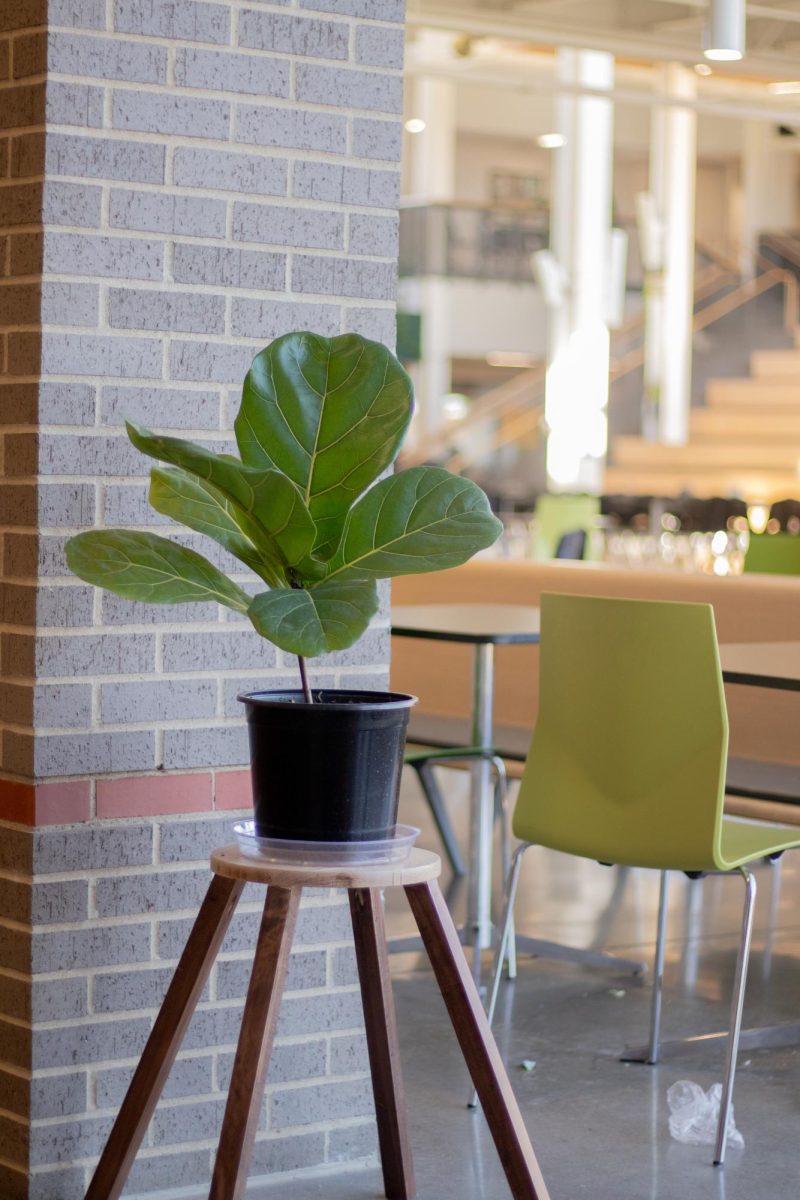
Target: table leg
{"x": 479, "y": 911}
{"x": 164, "y": 1042}
{"x": 477, "y": 1043}
{"x": 256, "y": 1036}
{"x": 366, "y": 910}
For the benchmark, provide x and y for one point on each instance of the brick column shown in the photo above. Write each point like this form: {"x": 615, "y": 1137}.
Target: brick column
{"x": 180, "y": 182}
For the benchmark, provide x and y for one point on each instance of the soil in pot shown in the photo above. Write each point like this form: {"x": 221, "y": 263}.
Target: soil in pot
{"x": 327, "y": 771}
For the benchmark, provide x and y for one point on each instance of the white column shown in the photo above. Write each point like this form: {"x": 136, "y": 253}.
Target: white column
{"x": 576, "y": 390}
{"x": 433, "y": 151}
{"x": 769, "y": 188}
{"x": 674, "y": 178}
{"x": 651, "y": 244}
{"x": 432, "y": 157}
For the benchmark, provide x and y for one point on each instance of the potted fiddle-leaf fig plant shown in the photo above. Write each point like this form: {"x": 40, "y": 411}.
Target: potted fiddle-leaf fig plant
{"x": 305, "y": 511}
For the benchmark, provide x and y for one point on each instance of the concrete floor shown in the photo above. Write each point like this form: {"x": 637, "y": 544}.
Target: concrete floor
{"x": 599, "y": 1127}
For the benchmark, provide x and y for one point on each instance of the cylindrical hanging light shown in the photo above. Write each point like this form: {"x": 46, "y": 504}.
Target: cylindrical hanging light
{"x": 724, "y": 36}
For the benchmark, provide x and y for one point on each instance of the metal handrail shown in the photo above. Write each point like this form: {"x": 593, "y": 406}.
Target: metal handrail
{"x": 511, "y": 401}
{"x": 512, "y": 397}
{"x": 635, "y": 358}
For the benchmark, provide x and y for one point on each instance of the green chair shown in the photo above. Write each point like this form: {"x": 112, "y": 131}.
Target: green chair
{"x": 627, "y": 765}
{"x": 558, "y": 514}
{"x": 773, "y": 554}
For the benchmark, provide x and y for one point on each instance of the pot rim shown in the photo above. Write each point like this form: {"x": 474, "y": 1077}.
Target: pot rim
{"x": 374, "y": 701}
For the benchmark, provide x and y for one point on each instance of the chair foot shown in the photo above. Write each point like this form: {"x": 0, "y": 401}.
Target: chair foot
{"x": 737, "y": 1004}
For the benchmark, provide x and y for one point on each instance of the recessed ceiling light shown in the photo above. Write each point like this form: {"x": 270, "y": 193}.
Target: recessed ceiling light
{"x": 551, "y": 141}
{"x": 789, "y": 87}
{"x": 702, "y": 68}
{"x": 415, "y": 125}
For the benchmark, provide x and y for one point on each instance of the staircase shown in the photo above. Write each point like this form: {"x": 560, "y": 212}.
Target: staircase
{"x": 745, "y": 441}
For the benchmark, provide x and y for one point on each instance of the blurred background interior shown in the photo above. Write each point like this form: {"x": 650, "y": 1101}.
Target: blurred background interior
{"x": 599, "y": 252}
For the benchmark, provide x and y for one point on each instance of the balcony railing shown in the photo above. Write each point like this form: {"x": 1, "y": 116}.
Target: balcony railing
{"x": 470, "y": 241}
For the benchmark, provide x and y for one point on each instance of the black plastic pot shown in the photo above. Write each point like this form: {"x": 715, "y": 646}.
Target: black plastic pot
{"x": 327, "y": 771}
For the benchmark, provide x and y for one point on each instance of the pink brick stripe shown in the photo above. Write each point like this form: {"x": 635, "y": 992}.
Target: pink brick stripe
{"x": 45, "y": 803}
{"x": 233, "y": 790}
{"x": 154, "y": 795}
{"x": 63, "y": 803}
{"x": 68, "y": 802}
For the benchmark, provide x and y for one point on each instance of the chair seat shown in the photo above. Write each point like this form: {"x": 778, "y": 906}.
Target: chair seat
{"x": 743, "y": 841}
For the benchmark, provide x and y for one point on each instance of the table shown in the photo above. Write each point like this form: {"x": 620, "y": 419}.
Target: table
{"x": 418, "y": 876}
{"x": 483, "y": 626}
{"x": 762, "y": 664}
{"x": 766, "y": 665}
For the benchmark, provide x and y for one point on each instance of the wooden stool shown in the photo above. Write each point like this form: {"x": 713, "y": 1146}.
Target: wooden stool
{"x": 418, "y": 875}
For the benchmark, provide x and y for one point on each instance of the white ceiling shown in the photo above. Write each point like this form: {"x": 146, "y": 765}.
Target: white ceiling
{"x": 647, "y": 30}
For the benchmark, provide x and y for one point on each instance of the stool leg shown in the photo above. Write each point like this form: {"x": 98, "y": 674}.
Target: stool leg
{"x": 256, "y": 1036}
{"x": 477, "y": 1043}
{"x": 164, "y": 1042}
{"x": 369, "y": 933}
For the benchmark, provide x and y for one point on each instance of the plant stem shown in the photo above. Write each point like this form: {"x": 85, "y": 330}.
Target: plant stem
{"x": 301, "y": 662}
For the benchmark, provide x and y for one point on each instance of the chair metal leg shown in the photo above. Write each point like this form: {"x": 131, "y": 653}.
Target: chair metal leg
{"x": 502, "y": 815}
{"x": 737, "y": 1003}
{"x": 505, "y": 932}
{"x": 658, "y": 973}
{"x": 433, "y": 795}
{"x": 774, "y": 907}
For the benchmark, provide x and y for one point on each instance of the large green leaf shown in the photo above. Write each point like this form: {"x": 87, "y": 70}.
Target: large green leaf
{"x": 274, "y": 515}
{"x": 330, "y": 413}
{"x": 198, "y": 504}
{"x": 143, "y": 566}
{"x": 330, "y": 616}
{"x": 422, "y": 519}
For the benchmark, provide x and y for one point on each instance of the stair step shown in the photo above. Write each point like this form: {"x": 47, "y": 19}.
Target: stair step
{"x": 761, "y": 486}
{"x": 753, "y": 391}
{"x": 637, "y": 452}
{"x": 775, "y": 364}
{"x": 757, "y": 423}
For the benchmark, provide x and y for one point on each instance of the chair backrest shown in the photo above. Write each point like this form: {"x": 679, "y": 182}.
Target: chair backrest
{"x": 557, "y": 514}
{"x": 572, "y": 544}
{"x": 773, "y": 554}
{"x": 786, "y": 513}
{"x": 627, "y": 762}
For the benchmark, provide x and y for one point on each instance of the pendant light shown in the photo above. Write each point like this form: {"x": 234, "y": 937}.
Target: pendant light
{"x": 724, "y": 36}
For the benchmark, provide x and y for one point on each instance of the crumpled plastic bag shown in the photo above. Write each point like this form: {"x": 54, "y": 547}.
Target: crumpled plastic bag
{"x": 693, "y": 1115}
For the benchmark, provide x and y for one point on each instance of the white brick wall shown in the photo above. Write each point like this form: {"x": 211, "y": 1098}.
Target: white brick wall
{"x": 180, "y": 182}
{"x": 229, "y": 173}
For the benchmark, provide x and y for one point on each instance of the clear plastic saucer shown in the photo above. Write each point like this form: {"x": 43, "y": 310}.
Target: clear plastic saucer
{"x": 392, "y": 849}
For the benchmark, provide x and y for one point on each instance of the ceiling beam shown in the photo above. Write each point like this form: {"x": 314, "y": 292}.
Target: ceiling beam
{"x": 739, "y": 108}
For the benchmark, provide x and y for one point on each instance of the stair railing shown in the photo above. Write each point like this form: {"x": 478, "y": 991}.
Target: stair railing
{"x": 512, "y": 407}
{"x": 515, "y": 409}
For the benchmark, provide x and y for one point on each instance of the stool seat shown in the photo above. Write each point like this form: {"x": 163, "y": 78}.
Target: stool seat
{"x": 420, "y": 866}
